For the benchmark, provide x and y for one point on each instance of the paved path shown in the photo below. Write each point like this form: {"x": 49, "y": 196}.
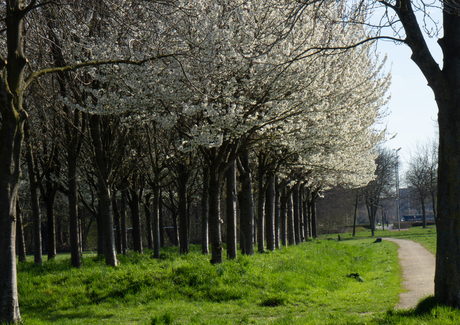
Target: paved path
{"x": 418, "y": 266}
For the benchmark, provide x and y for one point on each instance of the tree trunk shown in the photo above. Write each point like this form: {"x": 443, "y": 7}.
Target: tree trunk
{"x": 20, "y": 243}
{"x": 270, "y": 212}
{"x": 422, "y": 202}
{"x": 355, "y": 217}
{"x": 116, "y": 222}
{"x": 205, "y": 212}
{"x": 290, "y": 219}
{"x": 51, "y": 226}
{"x": 105, "y": 216}
{"x": 124, "y": 234}
{"x": 184, "y": 238}
{"x": 11, "y": 135}
{"x": 214, "y": 216}
{"x": 35, "y": 206}
{"x": 277, "y": 214}
{"x": 156, "y": 222}
{"x": 136, "y": 220}
{"x": 148, "y": 221}
{"x": 161, "y": 219}
{"x": 283, "y": 218}
{"x": 75, "y": 252}
{"x": 246, "y": 203}
{"x": 314, "y": 196}
{"x": 305, "y": 218}
{"x": 296, "y": 212}
{"x": 231, "y": 212}
{"x": 260, "y": 206}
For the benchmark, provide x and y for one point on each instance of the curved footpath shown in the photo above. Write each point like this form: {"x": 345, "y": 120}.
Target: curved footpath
{"x": 418, "y": 266}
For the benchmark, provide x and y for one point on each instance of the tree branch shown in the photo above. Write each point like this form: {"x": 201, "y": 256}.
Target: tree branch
{"x": 34, "y": 75}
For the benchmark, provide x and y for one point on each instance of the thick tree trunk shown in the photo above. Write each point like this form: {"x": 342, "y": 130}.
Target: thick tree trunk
{"x": 270, "y": 212}
{"x": 231, "y": 212}
{"x": 246, "y": 203}
{"x": 214, "y": 216}
{"x": 205, "y": 212}
{"x": 11, "y": 136}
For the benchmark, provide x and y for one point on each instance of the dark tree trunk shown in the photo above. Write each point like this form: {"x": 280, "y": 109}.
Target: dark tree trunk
{"x": 290, "y": 219}
{"x": 20, "y": 242}
{"x": 422, "y": 203}
{"x": 205, "y": 212}
{"x": 283, "y": 218}
{"x": 296, "y": 213}
{"x": 260, "y": 206}
{"x": 184, "y": 238}
{"x": 277, "y": 214}
{"x": 116, "y": 222}
{"x": 214, "y": 215}
{"x": 124, "y": 234}
{"x": 136, "y": 220}
{"x": 51, "y": 226}
{"x": 156, "y": 222}
{"x": 314, "y": 233}
{"x": 231, "y": 212}
{"x": 161, "y": 220}
{"x": 305, "y": 218}
{"x": 246, "y": 204}
{"x": 355, "y": 217}
{"x": 75, "y": 252}
{"x": 270, "y": 212}
{"x": 100, "y": 234}
{"x": 148, "y": 221}
{"x": 34, "y": 202}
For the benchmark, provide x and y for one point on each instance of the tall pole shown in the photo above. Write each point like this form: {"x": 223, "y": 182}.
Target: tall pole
{"x": 397, "y": 189}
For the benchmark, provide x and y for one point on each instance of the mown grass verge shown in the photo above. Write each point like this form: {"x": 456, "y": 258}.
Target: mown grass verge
{"x": 312, "y": 283}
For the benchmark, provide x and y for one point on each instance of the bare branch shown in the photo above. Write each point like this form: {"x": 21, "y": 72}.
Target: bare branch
{"x": 34, "y": 75}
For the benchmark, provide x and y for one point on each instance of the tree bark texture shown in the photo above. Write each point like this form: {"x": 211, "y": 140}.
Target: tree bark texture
{"x": 35, "y": 206}
{"x": 214, "y": 215}
{"x": 231, "y": 212}
{"x": 184, "y": 238}
{"x": 296, "y": 212}
{"x": 261, "y": 206}
{"x": 156, "y": 221}
{"x": 20, "y": 243}
{"x": 205, "y": 212}
{"x": 246, "y": 204}
{"x": 290, "y": 219}
{"x": 270, "y": 211}
{"x": 11, "y": 136}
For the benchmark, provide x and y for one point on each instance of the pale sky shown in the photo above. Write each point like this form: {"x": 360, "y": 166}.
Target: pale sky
{"x": 412, "y": 108}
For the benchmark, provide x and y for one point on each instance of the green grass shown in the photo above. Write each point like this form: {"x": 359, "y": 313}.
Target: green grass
{"x": 304, "y": 284}
{"x": 354, "y": 281}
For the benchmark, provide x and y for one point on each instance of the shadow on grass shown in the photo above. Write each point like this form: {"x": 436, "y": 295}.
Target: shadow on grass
{"x": 426, "y": 309}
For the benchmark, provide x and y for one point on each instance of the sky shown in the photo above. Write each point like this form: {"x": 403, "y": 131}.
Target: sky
{"x": 412, "y": 109}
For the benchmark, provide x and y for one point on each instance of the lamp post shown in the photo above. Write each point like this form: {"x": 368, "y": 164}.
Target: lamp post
{"x": 397, "y": 189}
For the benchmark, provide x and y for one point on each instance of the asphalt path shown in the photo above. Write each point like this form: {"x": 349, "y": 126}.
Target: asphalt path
{"x": 418, "y": 266}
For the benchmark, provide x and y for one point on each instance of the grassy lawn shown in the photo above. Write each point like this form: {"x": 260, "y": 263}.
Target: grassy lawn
{"x": 318, "y": 282}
